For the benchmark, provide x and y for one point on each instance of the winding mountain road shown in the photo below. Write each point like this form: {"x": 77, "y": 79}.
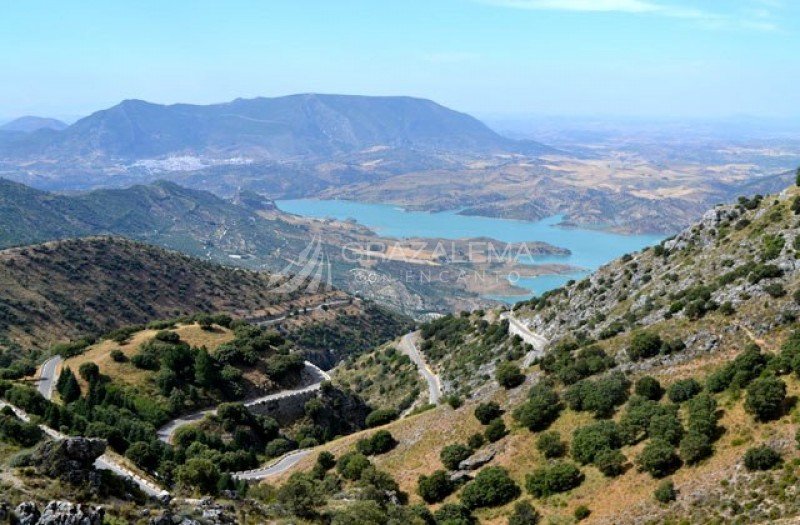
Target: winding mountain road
{"x": 538, "y": 342}
{"x": 48, "y": 376}
{"x": 167, "y": 432}
{"x": 279, "y": 466}
{"x": 408, "y": 346}
{"x": 104, "y": 462}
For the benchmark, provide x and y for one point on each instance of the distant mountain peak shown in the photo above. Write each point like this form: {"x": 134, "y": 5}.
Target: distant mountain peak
{"x": 308, "y": 125}
{"x": 29, "y": 124}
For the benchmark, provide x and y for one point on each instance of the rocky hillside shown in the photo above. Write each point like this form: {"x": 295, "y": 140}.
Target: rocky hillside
{"x": 667, "y": 394}
{"x": 90, "y": 286}
{"x": 736, "y": 268}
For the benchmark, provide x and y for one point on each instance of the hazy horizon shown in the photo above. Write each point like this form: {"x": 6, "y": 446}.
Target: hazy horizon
{"x": 632, "y": 58}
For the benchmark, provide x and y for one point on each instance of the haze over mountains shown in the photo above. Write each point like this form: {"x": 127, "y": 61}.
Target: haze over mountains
{"x": 401, "y": 150}
{"x": 267, "y": 128}
{"x": 30, "y": 124}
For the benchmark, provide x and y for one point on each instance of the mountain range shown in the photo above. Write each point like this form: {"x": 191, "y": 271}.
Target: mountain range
{"x": 307, "y": 125}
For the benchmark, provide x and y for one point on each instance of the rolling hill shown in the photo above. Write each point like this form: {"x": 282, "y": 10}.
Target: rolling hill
{"x": 70, "y": 288}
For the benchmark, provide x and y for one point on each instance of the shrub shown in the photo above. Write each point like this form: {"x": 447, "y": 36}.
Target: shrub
{"x": 200, "y": 473}
{"x": 380, "y": 442}
{"x": 610, "y": 462}
{"x": 300, "y": 495}
{"x": 765, "y": 397}
{"x": 509, "y": 375}
{"x": 643, "y": 345}
{"x": 454, "y": 401}
{"x": 524, "y": 514}
{"x": 486, "y": 412}
{"x": 453, "y": 455}
{"x": 775, "y": 290}
{"x": 496, "y": 430}
{"x": 649, "y": 388}
{"x": 683, "y": 390}
{"x": 278, "y": 447}
{"x": 558, "y": 477}
{"x": 665, "y": 491}
{"x": 581, "y": 512}
{"x": 14, "y": 430}
{"x": 635, "y": 421}
{"x": 541, "y": 408}
{"x": 436, "y": 487}
{"x": 352, "y": 464}
{"x": 702, "y": 418}
{"x": 695, "y": 446}
{"x": 476, "y": 441}
{"x": 666, "y": 426}
{"x": 67, "y": 386}
{"x": 118, "y": 356}
{"x": 590, "y": 440}
{"x": 453, "y": 514}
{"x": 658, "y": 458}
{"x": 761, "y": 458}
{"x": 551, "y": 445}
{"x": 380, "y": 417}
{"x": 490, "y": 488}
{"x": 764, "y": 271}
{"x": 89, "y": 372}
{"x": 600, "y": 396}
{"x": 326, "y": 460}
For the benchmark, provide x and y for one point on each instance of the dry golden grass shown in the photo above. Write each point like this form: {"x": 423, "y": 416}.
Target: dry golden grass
{"x": 126, "y": 373}
{"x": 611, "y": 500}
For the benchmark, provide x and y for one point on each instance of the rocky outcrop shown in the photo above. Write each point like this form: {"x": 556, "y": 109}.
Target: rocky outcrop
{"x": 70, "y": 460}
{"x": 58, "y": 513}
{"x": 477, "y": 460}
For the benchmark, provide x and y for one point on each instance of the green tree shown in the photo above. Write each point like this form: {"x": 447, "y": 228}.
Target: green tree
{"x": 761, "y": 458}
{"x": 352, "y": 464}
{"x": 453, "y": 455}
{"x": 658, "y": 458}
{"x": 496, "y": 430}
{"x": 380, "y": 442}
{"x": 380, "y": 417}
{"x": 206, "y": 373}
{"x": 683, "y": 390}
{"x": 453, "y": 514}
{"x": 610, "y": 462}
{"x": 199, "y": 473}
{"x": 665, "y": 492}
{"x": 490, "y": 488}
{"x": 666, "y": 426}
{"x": 643, "y": 345}
{"x": 695, "y": 446}
{"x": 486, "y": 412}
{"x": 300, "y": 495}
{"x": 561, "y": 476}
{"x": 436, "y": 487}
{"x": 765, "y": 397}
{"x": 90, "y": 372}
{"x": 649, "y": 388}
{"x": 588, "y": 441}
{"x": 524, "y": 514}
{"x": 541, "y": 408}
{"x": 509, "y": 375}
{"x": 68, "y": 387}
{"x": 550, "y": 445}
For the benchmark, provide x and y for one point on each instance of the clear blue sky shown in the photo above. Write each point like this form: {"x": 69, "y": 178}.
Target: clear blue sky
{"x": 616, "y": 57}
